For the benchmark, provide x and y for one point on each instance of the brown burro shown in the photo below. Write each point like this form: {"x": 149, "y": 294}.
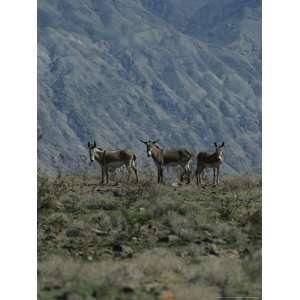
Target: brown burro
{"x": 210, "y": 160}
{"x": 113, "y": 159}
{"x": 169, "y": 157}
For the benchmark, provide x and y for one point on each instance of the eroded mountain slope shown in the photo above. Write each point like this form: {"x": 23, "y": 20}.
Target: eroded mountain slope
{"x": 187, "y": 72}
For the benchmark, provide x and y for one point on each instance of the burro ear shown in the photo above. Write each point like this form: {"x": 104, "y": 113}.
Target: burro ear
{"x": 155, "y": 141}
{"x": 89, "y": 145}
{"x": 215, "y": 144}
{"x": 223, "y": 144}
{"x": 143, "y": 141}
{"x": 95, "y": 144}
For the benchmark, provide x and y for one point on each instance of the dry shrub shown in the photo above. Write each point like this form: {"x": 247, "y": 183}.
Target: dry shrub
{"x": 102, "y": 220}
{"x": 195, "y": 292}
{"x": 50, "y": 191}
{"x": 225, "y": 273}
{"x": 44, "y": 196}
{"x": 234, "y": 183}
{"x": 155, "y": 265}
{"x": 103, "y": 203}
{"x": 58, "y": 219}
{"x": 184, "y": 227}
{"x": 146, "y": 189}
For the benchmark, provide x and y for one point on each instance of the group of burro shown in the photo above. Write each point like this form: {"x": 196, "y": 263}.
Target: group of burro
{"x": 114, "y": 159}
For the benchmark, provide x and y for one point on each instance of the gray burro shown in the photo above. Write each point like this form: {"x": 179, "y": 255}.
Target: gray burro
{"x": 169, "y": 157}
{"x": 112, "y": 160}
{"x": 210, "y": 160}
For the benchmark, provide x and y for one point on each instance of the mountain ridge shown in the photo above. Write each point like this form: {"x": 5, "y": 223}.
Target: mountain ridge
{"x": 118, "y": 71}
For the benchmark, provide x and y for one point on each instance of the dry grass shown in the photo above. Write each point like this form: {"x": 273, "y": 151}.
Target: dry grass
{"x": 148, "y": 241}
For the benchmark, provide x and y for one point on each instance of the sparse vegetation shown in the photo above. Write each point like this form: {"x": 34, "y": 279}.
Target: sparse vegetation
{"x": 148, "y": 241}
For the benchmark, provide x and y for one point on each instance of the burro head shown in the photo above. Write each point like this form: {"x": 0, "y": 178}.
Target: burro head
{"x": 150, "y": 146}
{"x": 220, "y": 150}
{"x": 92, "y": 150}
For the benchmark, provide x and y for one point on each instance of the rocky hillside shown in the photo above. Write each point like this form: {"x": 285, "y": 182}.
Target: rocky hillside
{"x": 186, "y": 72}
{"x": 146, "y": 241}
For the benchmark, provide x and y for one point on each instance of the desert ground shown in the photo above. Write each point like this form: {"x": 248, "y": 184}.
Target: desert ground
{"x": 148, "y": 241}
